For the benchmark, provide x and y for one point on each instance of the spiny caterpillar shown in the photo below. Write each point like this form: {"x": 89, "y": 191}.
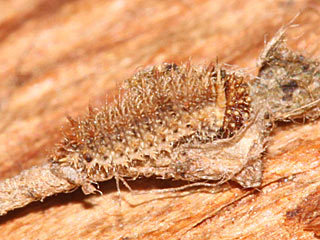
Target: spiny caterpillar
{"x": 192, "y": 123}
{"x": 159, "y": 126}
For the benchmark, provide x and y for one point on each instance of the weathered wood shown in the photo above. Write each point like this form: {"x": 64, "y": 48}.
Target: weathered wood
{"x": 58, "y": 56}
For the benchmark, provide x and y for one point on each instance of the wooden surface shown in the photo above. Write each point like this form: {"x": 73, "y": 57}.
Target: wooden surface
{"x": 56, "y": 57}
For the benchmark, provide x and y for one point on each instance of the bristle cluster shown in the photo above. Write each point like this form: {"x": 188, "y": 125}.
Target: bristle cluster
{"x": 159, "y": 107}
{"x": 238, "y": 107}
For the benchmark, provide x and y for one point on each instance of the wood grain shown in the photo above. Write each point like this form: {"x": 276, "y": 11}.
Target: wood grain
{"x": 56, "y": 57}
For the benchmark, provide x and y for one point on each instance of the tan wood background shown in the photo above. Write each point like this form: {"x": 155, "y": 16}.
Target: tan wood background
{"x": 58, "y": 56}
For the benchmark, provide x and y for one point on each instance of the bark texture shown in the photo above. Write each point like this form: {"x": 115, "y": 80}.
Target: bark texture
{"x": 56, "y": 57}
